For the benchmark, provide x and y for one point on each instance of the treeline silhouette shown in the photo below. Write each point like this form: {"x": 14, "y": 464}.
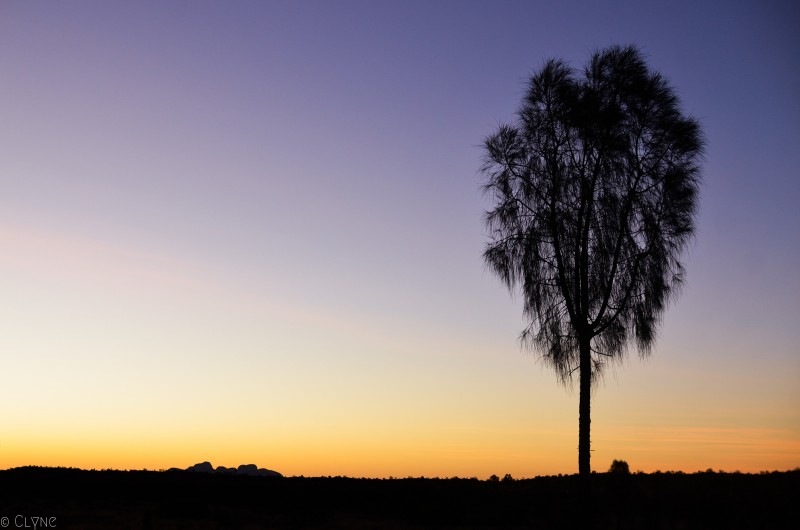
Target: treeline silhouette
{"x": 179, "y": 499}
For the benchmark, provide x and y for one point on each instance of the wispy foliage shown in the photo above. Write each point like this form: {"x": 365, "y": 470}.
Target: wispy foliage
{"x": 594, "y": 192}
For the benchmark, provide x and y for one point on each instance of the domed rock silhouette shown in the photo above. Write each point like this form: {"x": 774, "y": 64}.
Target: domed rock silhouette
{"x": 202, "y": 467}
{"x": 244, "y": 469}
{"x": 253, "y": 470}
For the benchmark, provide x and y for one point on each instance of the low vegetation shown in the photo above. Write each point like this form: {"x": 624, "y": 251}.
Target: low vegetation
{"x": 180, "y": 499}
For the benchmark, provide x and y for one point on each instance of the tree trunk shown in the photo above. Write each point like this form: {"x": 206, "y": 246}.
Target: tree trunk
{"x": 584, "y": 409}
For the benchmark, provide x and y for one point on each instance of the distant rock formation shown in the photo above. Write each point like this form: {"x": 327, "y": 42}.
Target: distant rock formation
{"x": 245, "y": 469}
{"x": 202, "y": 467}
{"x": 251, "y": 469}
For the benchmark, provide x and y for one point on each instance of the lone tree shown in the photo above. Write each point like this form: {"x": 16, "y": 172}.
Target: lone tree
{"x": 594, "y": 191}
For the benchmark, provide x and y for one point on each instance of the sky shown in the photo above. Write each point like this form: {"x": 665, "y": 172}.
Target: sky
{"x": 251, "y": 232}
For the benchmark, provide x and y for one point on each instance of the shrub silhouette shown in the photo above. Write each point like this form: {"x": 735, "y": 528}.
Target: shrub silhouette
{"x": 619, "y": 467}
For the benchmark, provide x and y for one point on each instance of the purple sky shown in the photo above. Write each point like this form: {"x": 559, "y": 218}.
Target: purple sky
{"x": 289, "y": 192}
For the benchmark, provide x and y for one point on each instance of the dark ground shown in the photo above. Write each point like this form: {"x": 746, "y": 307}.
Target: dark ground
{"x": 71, "y": 498}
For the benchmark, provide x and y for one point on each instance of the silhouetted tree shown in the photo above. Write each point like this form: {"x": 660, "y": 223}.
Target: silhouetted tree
{"x": 619, "y": 467}
{"x": 595, "y": 189}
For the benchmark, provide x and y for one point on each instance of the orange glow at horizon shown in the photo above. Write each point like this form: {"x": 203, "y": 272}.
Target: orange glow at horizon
{"x": 657, "y": 449}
